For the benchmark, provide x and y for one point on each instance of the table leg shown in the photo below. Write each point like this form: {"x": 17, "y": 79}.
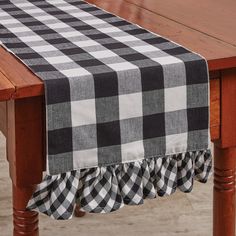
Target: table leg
{"x": 78, "y": 212}
{"x": 25, "y": 151}
{"x": 25, "y": 222}
{"x": 224, "y": 192}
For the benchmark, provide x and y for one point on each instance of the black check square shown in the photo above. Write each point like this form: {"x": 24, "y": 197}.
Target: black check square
{"x": 152, "y": 78}
{"x": 154, "y": 126}
{"x": 106, "y": 85}
{"x": 108, "y": 134}
{"x": 196, "y": 71}
{"x": 198, "y": 118}
{"x": 59, "y": 94}
{"x": 60, "y": 141}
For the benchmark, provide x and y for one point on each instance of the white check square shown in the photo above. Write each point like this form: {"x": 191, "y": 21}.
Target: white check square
{"x": 24, "y": 4}
{"x": 27, "y": 39}
{"x": 132, "y": 151}
{"x": 44, "y": 48}
{"x": 33, "y": 11}
{"x": 58, "y": 60}
{"x": 130, "y": 105}
{"x": 83, "y": 112}
{"x": 9, "y": 21}
{"x": 76, "y": 72}
{"x": 71, "y": 34}
{"x": 59, "y": 25}
{"x": 146, "y": 48}
{"x": 109, "y": 30}
{"x": 20, "y": 29}
{"x": 80, "y": 14}
{"x": 176, "y": 143}
{"x": 86, "y": 43}
{"x": 128, "y": 38}
{"x": 122, "y": 66}
{"x": 43, "y": 17}
{"x": 3, "y": 14}
{"x": 103, "y": 54}
{"x": 66, "y": 8}
{"x": 94, "y": 22}
{"x": 85, "y": 158}
{"x": 167, "y": 60}
{"x": 175, "y": 98}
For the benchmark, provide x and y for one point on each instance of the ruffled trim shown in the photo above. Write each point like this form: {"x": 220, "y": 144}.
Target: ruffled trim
{"x": 106, "y": 189}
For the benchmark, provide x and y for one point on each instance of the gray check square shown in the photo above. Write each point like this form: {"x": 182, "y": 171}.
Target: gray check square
{"x": 82, "y": 88}
{"x": 107, "y": 109}
{"x": 123, "y": 51}
{"x": 80, "y": 56}
{"x": 153, "y": 102}
{"x": 62, "y": 162}
{"x": 174, "y": 74}
{"x": 176, "y": 122}
{"x": 188, "y": 57}
{"x": 145, "y": 63}
{"x": 59, "y": 110}
{"x": 131, "y": 129}
{"x": 154, "y": 146}
{"x": 198, "y": 139}
{"x": 100, "y": 69}
{"x": 109, "y": 155}
{"x": 129, "y": 81}
{"x": 84, "y": 137}
{"x": 112, "y": 60}
{"x": 192, "y": 95}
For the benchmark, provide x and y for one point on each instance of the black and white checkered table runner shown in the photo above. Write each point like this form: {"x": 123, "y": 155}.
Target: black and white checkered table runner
{"x": 125, "y": 107}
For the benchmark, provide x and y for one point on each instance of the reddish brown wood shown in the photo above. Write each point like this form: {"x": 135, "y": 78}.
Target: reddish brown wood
{"x": 215, "y": 106}
{"x": 25, "y": 140}
{"x": 220, "y": 55}
{"x": 26, "y": 158}
{"x": 225, "y": 159}
{"x": 224, "y": 192}
{"x": 3, "y": 118}
{"x": 25, "y": 83}
{"x": 6, "y": 88}
{"x": 25, "y": 222}
{"x": 214, "y": 20}
{"x": 78, "y": 212}
{"x": 228, "y": 108}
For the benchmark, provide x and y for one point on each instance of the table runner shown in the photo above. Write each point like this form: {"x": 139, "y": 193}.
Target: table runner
{"x": 127, "y": 111}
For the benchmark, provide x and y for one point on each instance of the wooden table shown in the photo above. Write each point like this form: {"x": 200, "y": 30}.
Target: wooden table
{"x": 207, "y": 27}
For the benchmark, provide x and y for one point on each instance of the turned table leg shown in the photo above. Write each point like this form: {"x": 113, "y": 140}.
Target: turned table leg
{"x": 25, "y": 222}
{"x": 224, "y": 192}
{"x": 78, "y": 212}
{"x": 25, "y": 152}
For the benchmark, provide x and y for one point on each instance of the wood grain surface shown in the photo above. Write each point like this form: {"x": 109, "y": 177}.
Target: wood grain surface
{"x": 6, "y": 88}
{"x": 26, "y": 83}
{"x": 152, "y": 15}
{"x": 209, "y": 17}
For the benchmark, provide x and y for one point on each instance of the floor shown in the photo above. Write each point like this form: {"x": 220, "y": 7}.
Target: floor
{"x": 177, "y": 215}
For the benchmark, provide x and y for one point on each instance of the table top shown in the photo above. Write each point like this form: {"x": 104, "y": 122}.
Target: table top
{"x": 205, "y": 26}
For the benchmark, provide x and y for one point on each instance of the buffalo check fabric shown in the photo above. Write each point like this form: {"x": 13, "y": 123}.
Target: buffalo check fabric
{"x": 106, "y": 189}
{"x": 121, "y": 102}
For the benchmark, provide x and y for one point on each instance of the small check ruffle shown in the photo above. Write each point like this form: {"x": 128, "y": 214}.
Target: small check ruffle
{"x": 106, "y": 189}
